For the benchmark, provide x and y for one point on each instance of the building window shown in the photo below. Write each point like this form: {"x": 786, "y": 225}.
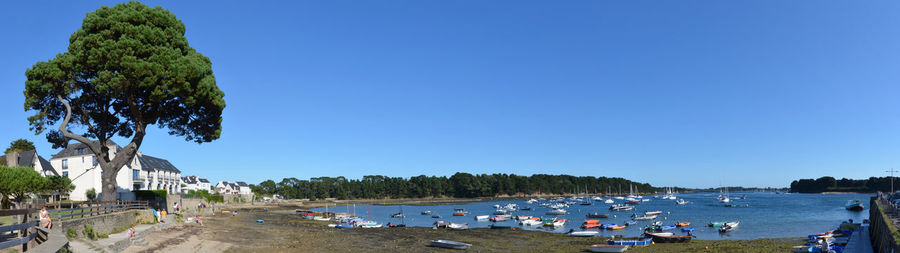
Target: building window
{"x": 65, "y": 164}
{"x": 80, "y": 151}
{"x": 135, "y": 174}
{"x": 65, "y": 173}
{"x": 94, "y": 158}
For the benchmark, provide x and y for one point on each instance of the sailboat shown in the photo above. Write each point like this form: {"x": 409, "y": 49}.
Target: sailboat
{"x": 724, "y": 198}
{"x": 398, "y": 215}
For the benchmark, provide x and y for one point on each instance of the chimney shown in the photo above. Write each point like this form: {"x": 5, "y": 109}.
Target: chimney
{"x": 12, "y": 159}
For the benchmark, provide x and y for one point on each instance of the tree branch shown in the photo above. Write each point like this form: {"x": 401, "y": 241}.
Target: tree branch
{"x": 95, "y": 148}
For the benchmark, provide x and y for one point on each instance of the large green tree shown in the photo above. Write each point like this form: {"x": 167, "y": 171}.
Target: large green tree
{"x": 19, "y": 146}
{"x": 17, "y": 183}
{"x": 58, "y": 185}
{"x": 128, "y": 66}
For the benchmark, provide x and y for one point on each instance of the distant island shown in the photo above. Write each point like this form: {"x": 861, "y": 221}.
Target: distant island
{"x": 830, "y": 184}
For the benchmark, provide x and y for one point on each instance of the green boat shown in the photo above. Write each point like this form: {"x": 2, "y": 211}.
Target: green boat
{"x": 855, "y": 205}
{"x": 715, "y": 224}
{"x": 598, "y": 215}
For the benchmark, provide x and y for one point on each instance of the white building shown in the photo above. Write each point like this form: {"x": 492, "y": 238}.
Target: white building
{"x": 31, "y": 159}
{"x": 195, "y": 183}
{"x": 144, "y": 172}
{"x": 237, "y": 188}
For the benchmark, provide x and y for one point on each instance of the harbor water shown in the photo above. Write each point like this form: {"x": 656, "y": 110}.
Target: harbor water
{"x": 761, "y": 215}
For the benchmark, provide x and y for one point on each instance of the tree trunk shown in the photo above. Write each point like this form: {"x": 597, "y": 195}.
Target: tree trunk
{"x": 108, "y": 177}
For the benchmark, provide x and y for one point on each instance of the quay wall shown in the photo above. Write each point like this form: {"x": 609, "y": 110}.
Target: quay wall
{"x": 104, "y": 223}
{"x": 883, "y": 229}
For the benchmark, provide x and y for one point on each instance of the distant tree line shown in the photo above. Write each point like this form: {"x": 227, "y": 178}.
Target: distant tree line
{"x": 460, "y": 185}
{"x": 830, "y": 184}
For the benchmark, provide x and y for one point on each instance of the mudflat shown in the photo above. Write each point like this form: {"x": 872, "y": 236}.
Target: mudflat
{"x": 284, "y": 231}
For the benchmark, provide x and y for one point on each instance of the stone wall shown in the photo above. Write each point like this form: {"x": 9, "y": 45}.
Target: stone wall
{"x": 882, "y": 228}
{"x": 105, "y": 223}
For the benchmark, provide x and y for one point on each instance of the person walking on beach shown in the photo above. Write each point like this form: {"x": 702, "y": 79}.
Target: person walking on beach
{"x": 45, "y": 218}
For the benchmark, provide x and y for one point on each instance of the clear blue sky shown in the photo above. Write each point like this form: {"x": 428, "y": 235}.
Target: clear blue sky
{"x": 688, "y": 93}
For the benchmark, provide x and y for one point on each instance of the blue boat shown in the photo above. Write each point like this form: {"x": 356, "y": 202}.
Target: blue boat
{"x": 641, "y": 242}
{"x": 687, "y": 229}
{"x": 344, "y": 226}
{"x": 629, "y": 223}
{"x": 667, "y": 227}
{"x": 259, "y": 221}
{"x": 606, "y": 226}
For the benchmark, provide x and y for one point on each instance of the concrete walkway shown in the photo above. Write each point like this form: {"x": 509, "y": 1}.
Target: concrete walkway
{"x": 119, "y": 241}
{"x": 859, "y": 241}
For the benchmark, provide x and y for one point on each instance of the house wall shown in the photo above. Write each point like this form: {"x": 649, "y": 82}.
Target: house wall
{"x": 85, "y": 175}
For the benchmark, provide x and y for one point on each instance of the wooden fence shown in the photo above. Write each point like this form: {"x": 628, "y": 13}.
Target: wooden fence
{"x": 26, "y": 227}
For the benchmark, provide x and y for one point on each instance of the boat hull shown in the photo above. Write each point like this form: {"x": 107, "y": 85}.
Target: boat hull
{"x": 608, "y": 248}
{"x": 449, "y": 244}
{"x": 669, "y": 239}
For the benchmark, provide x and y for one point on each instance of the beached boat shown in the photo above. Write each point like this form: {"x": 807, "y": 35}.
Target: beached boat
{"x": 500, "y": 226}
{"x": 441, "y": 224}
{"x": 321, "y": 219}
{"x": 597, "y": 215}
{"x": 392, "y": 225}
{"x": 344, "y": 226}
{"x": 668, "y": 237}
{"x": 633, "y": 243}
{"x": 583, "y": 233}
{"x": 556, "y": 212}
{"x": 458, "y": 226}
{"x": 855, "y": 205}
{"x": 371, "y": 226}
{"x": 450, "y": 244}
{"x": 608, "y": 248}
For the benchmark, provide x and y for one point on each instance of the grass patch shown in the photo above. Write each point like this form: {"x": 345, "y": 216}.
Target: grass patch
{"x": 70, "y": 233}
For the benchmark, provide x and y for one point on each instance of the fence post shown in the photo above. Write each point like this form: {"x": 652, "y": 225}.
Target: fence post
{"x": 24, "y": 232}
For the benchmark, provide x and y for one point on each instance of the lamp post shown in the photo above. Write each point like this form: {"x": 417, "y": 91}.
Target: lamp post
{"x": 892, "y": 179}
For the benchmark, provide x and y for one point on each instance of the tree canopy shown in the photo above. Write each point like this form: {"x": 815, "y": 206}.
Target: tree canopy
{"x": 461, "y": 185}
{"x": 128, "y": 66}
{"x": 19, "y": 146}
{"x": 830, "y": 184}
{"x": 16, "y": 183}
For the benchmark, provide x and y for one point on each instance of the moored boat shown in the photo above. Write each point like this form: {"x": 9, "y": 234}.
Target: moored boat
{"x": 482, "y": 217}
{"x": 556, "y": 212}
{"x": 459, "y": 212}
{"x": 426, "y": 212}
{"x": 728, "y": 226}
{"x": 681, "y": 202}
{"x": 458, "y": 226}
{"x": 500, "y": 226}
{"x": 531, "y": 222}
{"x": 450, "y": 244}
{"x": 657, "y": 212}
{"x": 608, "y": 248}
{"x": 682, "y": 224}
{"x": 621, "y": 207}
{"x": 643, "y": 217}
{"x": 855, "y": 205}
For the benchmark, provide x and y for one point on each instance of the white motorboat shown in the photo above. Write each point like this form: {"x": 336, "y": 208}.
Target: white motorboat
{"x": 482, "y": 217}
{"x": 531, "y": 222}
{"x": 556, "y": 212}
{"x": 609, "y": 201}
{"x": 681, "y": 202}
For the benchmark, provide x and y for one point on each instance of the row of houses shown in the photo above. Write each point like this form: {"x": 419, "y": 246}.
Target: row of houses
{"x": 144, "y": 172}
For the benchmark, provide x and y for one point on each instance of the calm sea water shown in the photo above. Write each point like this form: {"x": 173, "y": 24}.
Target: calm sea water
{"x": 762, "y": 215}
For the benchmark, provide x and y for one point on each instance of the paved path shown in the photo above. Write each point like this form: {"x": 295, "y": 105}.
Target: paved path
{"x": 859, "y": 241}
{"x": 119, "y": 241}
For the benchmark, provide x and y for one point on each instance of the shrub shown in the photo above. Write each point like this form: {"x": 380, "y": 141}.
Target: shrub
{"x": 103, "y": 236}
{"x": 70, "y": 233}
{"x": 91, "y": 194}
{"x": 89, "y": 232}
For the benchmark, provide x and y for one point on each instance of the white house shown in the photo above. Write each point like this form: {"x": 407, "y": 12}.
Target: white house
{"x": 31, "y": 159}
{"x": 195, "y": 183}
{"x": 144, "y": 172}
{"x": 243, "y": 188}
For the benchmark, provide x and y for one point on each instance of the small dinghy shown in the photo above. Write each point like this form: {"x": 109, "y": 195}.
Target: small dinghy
{"x": 450, "y": 244}
{"x": 597, "y": 215}
{"x": 260, "y": 221}
{"x": 641, "y": 242}
{"x": 608, "y": 248}
{"x": 482, "y": 217}
{"x": 729, "y": 226}
{"x": 344, "y": 226}
{"x": 687, "y": 229}
{"x": 657, "y": 212}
